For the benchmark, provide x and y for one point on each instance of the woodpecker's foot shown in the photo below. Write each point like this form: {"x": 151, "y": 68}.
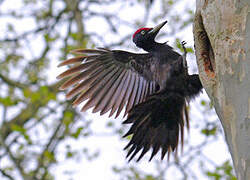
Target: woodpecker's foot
{"x": 183, "y": 43}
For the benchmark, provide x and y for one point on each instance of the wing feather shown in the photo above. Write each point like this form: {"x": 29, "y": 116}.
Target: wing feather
{"x": 94, "y": 86}
{"x": 121, "y": 99}
{"x": 103, "y": 89}
{"x": 116, "y": 99}
{"x": 132, "y": 96}
{"x": 108, "y": 80}
{"x": 72, "y": 61}
{"x": 143, "y": 93}
{"x": 109, "y": 100}
{"x": 108, "y": 92}
{"x": 139, "y": 91}
{"x": 86, "y": 83}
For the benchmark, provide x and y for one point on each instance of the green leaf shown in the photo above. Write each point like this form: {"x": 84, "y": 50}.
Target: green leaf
{"x": 27, "y": 138}
{"x": 49, "y": 156}
{"x": 170, "y": 2}
{"x": 46, "y": 94}
{"x": 51, "y": 96}
{"x": 149, "y": 177}
{"x": 68, "y": 114}
{"x": 70, "y": 154}
{"x": 203, "y": 103}
{"x": 44, "y": 90}
{"x": 35, "y": 96}
{"x": 68, "y": 118}
{"x": 129, "y": 137}
{"x": 15, "y": 127}
{"x": 209, "y": 132}
{"x": 214, "y": 174}
{"x": 7, "y": 101}
{"x": 178, "y": 43}
{"x": 77, "y": 133}
{"x": 225, "y": 171}
{"x": 179, "y": 46}
{"x": 74, "y": 35}
{"x": 190, "y": 50}
{"x": 48, "y": 38}
{"x": 27, "y": 92}
{"x": 110, "y": 124}
{"x": 211, "y": 105}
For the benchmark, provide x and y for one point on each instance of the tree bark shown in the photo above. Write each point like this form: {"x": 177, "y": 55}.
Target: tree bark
{"x": 222, "y": 38}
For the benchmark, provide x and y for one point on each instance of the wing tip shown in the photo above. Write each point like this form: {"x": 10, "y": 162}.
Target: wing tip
{"x": 60, "y": 76}
{"x": 61, "y": 88}
{"x": 60, "y": 65}
{"x": 77, "y": 51}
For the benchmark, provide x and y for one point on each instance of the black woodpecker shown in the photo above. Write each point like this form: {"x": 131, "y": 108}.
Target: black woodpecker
{"x": 153, "y": 87}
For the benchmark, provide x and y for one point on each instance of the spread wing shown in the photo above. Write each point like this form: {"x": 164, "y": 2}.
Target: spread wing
{"x": 109, "y": 80}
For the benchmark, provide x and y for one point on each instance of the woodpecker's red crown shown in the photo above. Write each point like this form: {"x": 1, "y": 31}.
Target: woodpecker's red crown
{"x": 141, "y": 29}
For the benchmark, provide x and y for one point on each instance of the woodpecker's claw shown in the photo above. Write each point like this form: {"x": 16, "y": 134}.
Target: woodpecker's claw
{"x": 183, "y": 43}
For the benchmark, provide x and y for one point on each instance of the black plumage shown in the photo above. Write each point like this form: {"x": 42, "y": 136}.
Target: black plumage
{"x": 154, "y": 88}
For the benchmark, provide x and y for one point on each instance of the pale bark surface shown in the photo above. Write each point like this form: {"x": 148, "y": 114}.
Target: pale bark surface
{"x": 222, "y": 38}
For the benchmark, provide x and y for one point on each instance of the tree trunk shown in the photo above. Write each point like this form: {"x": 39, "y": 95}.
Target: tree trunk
{"x": 222, "y": 38}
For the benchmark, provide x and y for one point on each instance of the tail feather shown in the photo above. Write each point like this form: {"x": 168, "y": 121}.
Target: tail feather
{"x": 156, "y": 124}
{"x": 159, "y": 121}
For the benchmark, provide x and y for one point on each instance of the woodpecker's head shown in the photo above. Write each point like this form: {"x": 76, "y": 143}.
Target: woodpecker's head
{"x": 145, "y": 37}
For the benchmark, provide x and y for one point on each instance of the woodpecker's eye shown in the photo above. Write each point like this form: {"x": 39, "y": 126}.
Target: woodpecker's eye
{"x": 143, "y": 32}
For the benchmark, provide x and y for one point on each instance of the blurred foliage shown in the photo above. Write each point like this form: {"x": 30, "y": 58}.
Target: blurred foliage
{"x": 38, "y": 127}
{"x": 132, "y": 173}
{"x": 225, "y": 171}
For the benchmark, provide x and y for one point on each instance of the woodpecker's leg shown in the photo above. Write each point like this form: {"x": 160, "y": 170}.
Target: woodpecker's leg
{"x": 183, "y": 43}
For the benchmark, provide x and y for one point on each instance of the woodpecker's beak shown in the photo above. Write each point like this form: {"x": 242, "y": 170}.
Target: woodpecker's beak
{"x": 156, "y": 29}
